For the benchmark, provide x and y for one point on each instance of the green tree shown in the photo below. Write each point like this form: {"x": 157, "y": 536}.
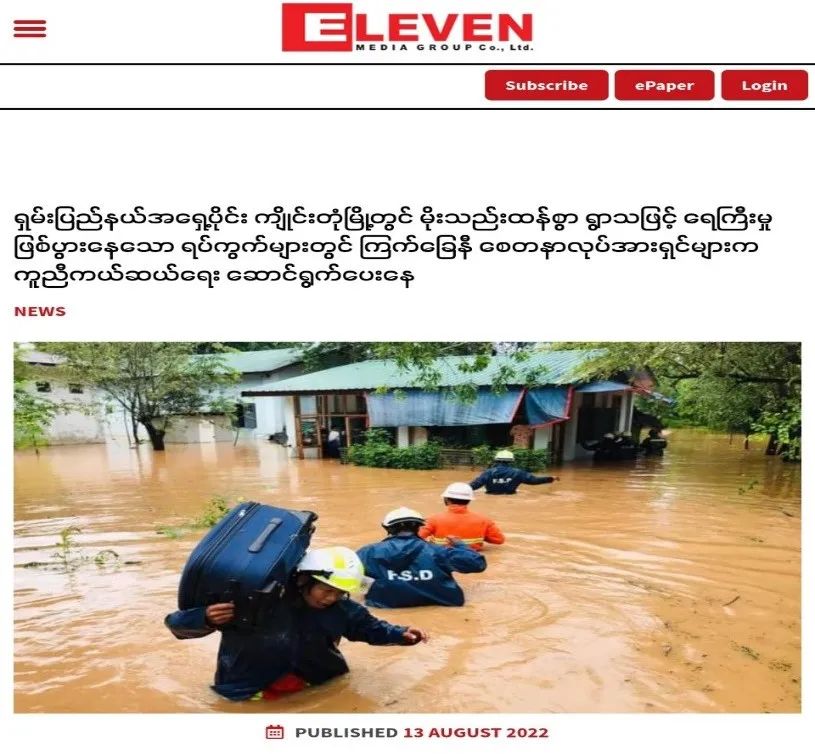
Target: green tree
{"x": 744, "y": 387}
{"x": 426, "y": 361}
{"x": 32, "y": 414}
{"x": 240, "y": 346}
{"x": 152, "y": 382}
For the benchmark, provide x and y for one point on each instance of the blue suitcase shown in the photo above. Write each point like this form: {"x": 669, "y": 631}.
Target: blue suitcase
{"x": 247, "y": 558}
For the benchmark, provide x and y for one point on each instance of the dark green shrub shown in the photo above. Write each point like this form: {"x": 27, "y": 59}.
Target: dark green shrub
{"x": 385, "y": 456}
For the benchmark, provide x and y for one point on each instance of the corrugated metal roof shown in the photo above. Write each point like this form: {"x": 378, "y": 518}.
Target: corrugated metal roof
{"x": 39, "y": 357}
{"x": 261, "y": 361}
{"x": 557, "y": 369}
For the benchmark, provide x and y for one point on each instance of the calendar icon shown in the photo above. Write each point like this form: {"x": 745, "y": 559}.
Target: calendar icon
{"x": 274, "y": 731}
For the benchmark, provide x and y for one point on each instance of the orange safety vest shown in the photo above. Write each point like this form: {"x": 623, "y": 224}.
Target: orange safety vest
{"x": 459, "y": 521}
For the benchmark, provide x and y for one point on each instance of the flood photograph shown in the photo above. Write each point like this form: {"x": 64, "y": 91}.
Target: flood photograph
{"x": 510, "y": 527}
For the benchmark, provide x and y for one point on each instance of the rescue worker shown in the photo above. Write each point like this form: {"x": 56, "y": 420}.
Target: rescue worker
{"x": 460, "y": 522}
{"x": 606, "y": 449}
{"x": 409, "y": 572}
{"x": 502, "y": 478}
{"x": 626, "y": 447}
{"x": 654, "y": 444}
{"x": 296, "y": 644}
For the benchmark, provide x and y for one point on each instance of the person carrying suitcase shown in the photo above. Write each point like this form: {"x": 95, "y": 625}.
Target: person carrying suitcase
{"x": 296, "y": 643}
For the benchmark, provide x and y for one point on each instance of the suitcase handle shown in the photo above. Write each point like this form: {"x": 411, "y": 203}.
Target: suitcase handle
{"x": 257, "y": 545}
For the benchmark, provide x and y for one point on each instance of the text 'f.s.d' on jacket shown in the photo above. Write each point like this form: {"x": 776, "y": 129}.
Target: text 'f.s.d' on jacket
{"x": 409, "y": 572}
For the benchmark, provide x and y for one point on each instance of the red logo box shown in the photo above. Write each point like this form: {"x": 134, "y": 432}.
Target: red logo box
{"x": 317, "y": 27}
{"x": 546, "y": 85}
{"x": 765, "y": 85}
{"x": 664, "y": 85}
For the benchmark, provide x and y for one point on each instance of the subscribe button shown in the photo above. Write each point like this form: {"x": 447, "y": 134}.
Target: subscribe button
{"x": 546, "y": 85}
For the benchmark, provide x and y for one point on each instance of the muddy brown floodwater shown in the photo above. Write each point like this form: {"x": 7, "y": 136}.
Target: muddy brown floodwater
{"x": 660, "y": 585}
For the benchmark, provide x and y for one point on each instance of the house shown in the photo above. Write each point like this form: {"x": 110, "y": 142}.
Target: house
{"x": 91, "y": 422}
{"x": 559, "y": 412}
{"x": 80, "y": 420}
{"x": 258, "y": 419}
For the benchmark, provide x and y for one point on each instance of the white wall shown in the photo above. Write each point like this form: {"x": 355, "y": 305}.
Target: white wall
{"x": 188, "y": 430}
{"x": 199, "y": 429}
{"x": 86, "y": 424}
{"x": 289, "y": 425}
{"x": 271, "y": 414}
{"x": 270, "y": 411}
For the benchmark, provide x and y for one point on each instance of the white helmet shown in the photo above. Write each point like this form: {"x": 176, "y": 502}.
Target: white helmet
{"x": 336, "y": 566}
{"x": 504, "y": 455}
{"x": 458, "y": 491}
{"x": 402, "y": 516}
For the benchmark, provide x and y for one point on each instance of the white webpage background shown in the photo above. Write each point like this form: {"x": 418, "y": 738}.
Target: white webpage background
{"x": 580, "y": 161}
{"x": 579, "y": 31}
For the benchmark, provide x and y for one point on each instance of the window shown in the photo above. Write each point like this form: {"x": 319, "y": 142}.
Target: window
{"x": 355, "y": 404}
{"x": 76, "y": 389}
{"x": 43, "y": 387}
{"x": 308, "y": 405}
{"x": 309, "y": 432}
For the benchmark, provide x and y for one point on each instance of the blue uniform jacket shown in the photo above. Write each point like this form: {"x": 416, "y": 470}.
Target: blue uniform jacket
{"x": 503, "y": 479}
{"x": 294, "y": 639}
{"x": 409, "y": 571}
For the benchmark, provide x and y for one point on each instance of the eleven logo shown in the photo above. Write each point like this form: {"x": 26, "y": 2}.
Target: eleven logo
{"x": 318, "y": 27}
{"x": 335, "y": 27}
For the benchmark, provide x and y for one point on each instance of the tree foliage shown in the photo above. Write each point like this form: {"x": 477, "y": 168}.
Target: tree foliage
{"x": 429, "y": 361}
{"x": 203, "y": 348}
{"x": 151, "y": 382}
{"x": 737, "y": 387}
{"x": 32, "y": 414}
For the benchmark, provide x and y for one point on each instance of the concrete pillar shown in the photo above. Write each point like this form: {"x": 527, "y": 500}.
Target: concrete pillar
{"x": 542, "y": 438}
{"x": 626, "y": 412}
{"x": 570, "y": 437}
{"x": 630, "y": 419}
{"x": 402, "y": 437}
{"x": 289, "y": 426}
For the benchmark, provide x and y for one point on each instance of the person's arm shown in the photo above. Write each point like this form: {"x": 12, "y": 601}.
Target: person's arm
{"x": 494, "y": 535}
{"x": 461, "y": 557}
{"x": 480, "y": 480}
{"x": 428, "y": 530}
{"x": 199, "y": 621}
{"x": 362, "y": 626}
{"x": 530, "y": 478}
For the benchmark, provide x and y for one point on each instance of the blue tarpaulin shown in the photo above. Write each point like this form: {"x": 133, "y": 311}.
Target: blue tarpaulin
{"x": 545, "y": 405}
{"x": 419, "y": 408}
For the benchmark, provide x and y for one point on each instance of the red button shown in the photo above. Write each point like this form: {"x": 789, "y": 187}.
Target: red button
{"x": 664, "y": 85}
{"x": 764, "y": 85}
{"x": 576, "y": 85}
